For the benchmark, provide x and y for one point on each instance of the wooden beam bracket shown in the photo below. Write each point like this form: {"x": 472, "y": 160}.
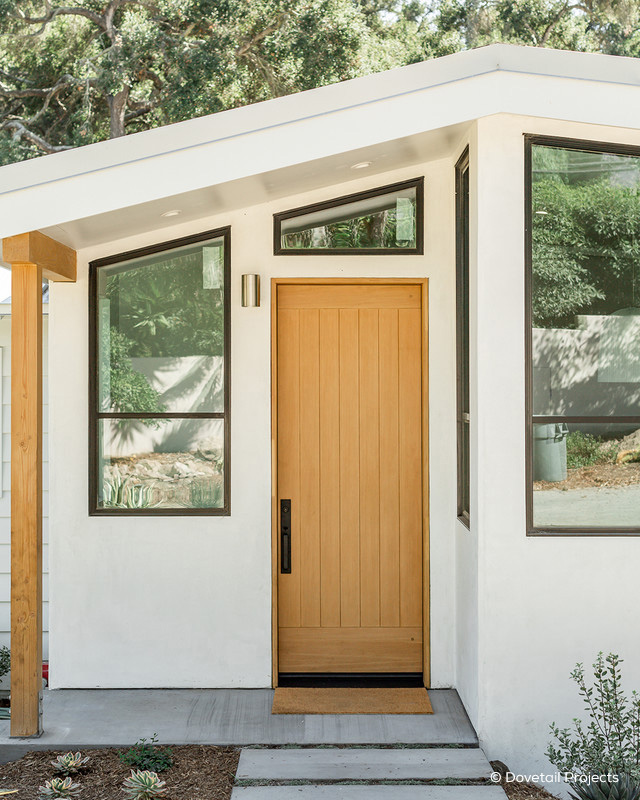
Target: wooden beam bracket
{"x": 57, "y": 261}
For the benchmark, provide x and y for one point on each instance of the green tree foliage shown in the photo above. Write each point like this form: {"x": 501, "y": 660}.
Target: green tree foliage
{"x": 606, "y": 26}
{"x": 586, "y": 250}
{"x": 80, "y": 73}
{"x": 76, "y": 74}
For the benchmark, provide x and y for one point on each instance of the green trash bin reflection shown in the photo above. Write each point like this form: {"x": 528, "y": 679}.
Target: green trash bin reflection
{"x": 550, "y": 452}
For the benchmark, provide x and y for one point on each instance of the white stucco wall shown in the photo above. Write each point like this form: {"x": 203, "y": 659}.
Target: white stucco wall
{"x": 544, "y": 603}
{"x": 186, "y": 602}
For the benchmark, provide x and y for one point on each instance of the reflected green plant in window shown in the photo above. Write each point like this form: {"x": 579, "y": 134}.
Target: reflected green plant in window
{"x": 130, "y": 390}
{"x": 585, "y": 450}
{"x": 205, "y": 495}
{"x": 586, "y": 237}
{"x": 118, "y": 493}
{"x": 165, "y": 308}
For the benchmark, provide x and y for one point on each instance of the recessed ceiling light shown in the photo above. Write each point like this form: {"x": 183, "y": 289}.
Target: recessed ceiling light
{"x": 173, "y": 213}
{"x": 361, "y": 165}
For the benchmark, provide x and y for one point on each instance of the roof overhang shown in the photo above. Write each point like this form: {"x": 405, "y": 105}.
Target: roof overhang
{"x": 304, "y": 141}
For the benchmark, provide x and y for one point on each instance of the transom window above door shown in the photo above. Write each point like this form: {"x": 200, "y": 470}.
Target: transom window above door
{"x": 159, "y": 373}
{"x": 386, "y": 220}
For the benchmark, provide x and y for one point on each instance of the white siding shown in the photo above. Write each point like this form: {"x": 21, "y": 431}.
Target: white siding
{"x": 5, "y": 497}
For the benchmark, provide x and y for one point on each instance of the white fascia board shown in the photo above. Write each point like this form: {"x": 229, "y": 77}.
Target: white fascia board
{"x": 248, "y": 119}
{"x": 319, "y": 102}
{"x": 279, "y": 133}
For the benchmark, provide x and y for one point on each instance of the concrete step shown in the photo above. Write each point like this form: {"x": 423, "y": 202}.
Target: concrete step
{"x": 368, "y": 793}
{"x": 362, "y": 764}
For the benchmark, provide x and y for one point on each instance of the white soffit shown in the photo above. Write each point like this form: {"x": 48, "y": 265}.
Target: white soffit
{"x": 255, "y": 189}
{"x": 303, "y": 141}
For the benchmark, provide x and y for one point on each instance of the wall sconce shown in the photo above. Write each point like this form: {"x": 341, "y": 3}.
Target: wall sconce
{"x": 251, "y": 291}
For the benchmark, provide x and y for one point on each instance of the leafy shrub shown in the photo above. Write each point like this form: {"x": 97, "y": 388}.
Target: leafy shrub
{"x": 5, "y": 660}
{"x": 146, "y": 755}
{"x": 585, "y": 450}
{"x": 143, "y": 785}
{"x": 59, "y": 788}
{"x": 620, "y": 787}
{"x": 69, "y": 763}
{"x": 609, "y": 743}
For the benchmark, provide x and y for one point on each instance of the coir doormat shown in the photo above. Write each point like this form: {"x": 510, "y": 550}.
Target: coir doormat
{"x": 306, "y": 700}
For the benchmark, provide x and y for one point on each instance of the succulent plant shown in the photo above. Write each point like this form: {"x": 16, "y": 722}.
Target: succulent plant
{"x": 620, "y": 787}
{"x": 69, "y": 763}
{"x": 143, "y": 785}
{"x": 60, "y": 788}
{"x": 119, "y": 493}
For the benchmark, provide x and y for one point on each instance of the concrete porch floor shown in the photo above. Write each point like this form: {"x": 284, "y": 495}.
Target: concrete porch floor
{"x": 75, "y": 718}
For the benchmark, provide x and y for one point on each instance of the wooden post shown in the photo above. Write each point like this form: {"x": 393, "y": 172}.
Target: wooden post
{"x": 32, "y": 256}
{"x": 26, "y": 500}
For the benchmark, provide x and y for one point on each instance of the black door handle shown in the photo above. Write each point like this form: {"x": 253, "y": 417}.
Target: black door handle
{"x": 285, "y": 536}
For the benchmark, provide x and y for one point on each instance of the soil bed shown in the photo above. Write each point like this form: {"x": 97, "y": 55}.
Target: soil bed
{"x": 599, "y": 476}
{"x": 518, "y": 790}
{"x": 199, "y": 772}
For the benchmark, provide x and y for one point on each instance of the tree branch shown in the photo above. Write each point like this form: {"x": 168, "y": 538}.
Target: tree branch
{"x": 62, "y": 83}
{"x": 52, "y": 13}
{"x": 20, "y": 131}
{"x": 139, "y": 112}
{"x": 152, "y": 76}
{"x": 249, "y": 45}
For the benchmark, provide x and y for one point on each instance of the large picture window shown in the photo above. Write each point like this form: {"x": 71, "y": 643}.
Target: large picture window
{"x": 583, "y": 298}
{"x": 159, "y": 379}
{"x": 381, "y": 221}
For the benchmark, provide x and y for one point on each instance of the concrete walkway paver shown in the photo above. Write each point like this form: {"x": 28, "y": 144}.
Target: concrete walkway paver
{"x": 363, "y": 764}
{"x": 379, "y": 773}
{"x": 368, "y": 793}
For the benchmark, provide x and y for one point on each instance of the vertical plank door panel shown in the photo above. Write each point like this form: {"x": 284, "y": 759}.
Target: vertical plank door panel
{"x": 410, "y": 417}
{"x": 309, "y": 467}
{"x": 369, "y": 470}
{"x": 350, "y": 459}
{"x": 330, "y": 571}
{"x": 289, "y": 457}
{"x": 389, "y": 470}
{"x": 349, "y": 469}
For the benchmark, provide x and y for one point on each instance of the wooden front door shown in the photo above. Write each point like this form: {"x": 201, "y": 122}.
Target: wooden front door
{"x": 350, "y": 463}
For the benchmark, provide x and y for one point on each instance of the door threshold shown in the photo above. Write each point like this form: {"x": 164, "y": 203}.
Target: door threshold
{"x": 351, "y": 680}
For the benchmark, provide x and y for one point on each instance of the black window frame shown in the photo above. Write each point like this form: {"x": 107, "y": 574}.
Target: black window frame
{"x": 279, "y": 218}
{"x": 530, "y": 140}
{"x": 463, "y": 410}
{"x": 95, "y": 416}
